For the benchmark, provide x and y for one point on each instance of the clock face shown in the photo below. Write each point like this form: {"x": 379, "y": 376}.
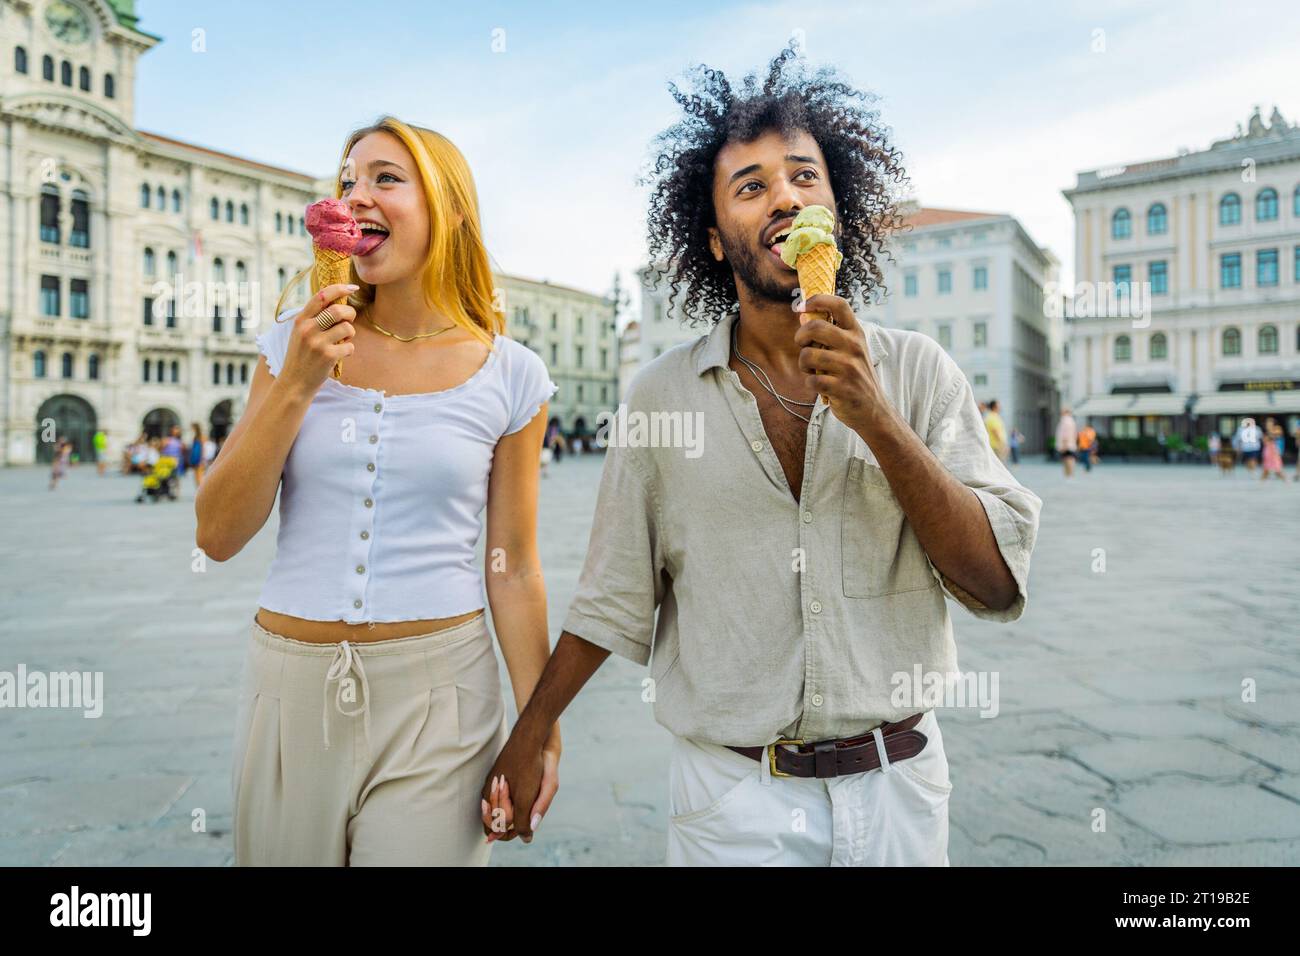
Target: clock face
{"x": 67, "y": 21}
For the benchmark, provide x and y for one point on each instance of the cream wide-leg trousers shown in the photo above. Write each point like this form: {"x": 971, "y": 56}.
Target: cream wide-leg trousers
{"x": 366, "y": 754}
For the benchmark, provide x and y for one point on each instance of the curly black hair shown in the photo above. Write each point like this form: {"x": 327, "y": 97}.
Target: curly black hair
{"x": 866, "y": 174}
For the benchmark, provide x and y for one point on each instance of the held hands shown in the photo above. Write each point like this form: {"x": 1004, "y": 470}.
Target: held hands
{"x": 312, "y": 351}
{"x": 520, "y": 788}
{"x": 840, "y": 370}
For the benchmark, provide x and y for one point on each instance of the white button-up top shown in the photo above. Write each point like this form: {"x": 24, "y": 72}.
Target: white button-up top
{"x": 382, "y": 495}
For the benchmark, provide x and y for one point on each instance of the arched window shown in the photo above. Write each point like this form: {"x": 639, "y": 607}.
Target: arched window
{"x": 47, "y": 68}
{"x": 230, "y": 211}
{"x": 92, "y": 366}
{"x": 1266, "y": 204}
{"x": 49, "y": 213}
{"x": 243, "y": 214}
{"x": 279, "y": 222}
{"x": 38, "y": 364}
{"x": 150, "y": 264}
{"x": 1231, "y": 342}
{"x": 66, "y": 370}
{"x": 65, "y": 73}
{"x": 176, "y": 200}
{"x": 243, "y": 374}
{"x": 1230, "y": 210}
{"x": 1121, "y": 224}
{"x": 176, "y": 371}
{"x": 162, "y": 199}
{"x": 241, "y": 272}
{"x": 159, "y": 366}
{"x": 279, "y": 275}
{"x": 214, "y": 208}
{"x": 83, "y": 79}
{"x": 144, "y": 371}
{"x": 80, "y": 220}
{"x": 289, "y": 226}
{"x": 1123, "y": 348}
{"x": 1159, "y": 347}
{"x": 146, "y": 195}
{"x": 218, "y": 270}
{"x": 110, "y": 88}
{"x": 1295, "y": 202}
{"x": 302, "y": 229}
{"x": 20, "y": 60}
{"x": 1157, "y": 220}
{"x": 230, "y": 373}
{"x": 1268, "y": 340}
{"x": 216, "y": 373}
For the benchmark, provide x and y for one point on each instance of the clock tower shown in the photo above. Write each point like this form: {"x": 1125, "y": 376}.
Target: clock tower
{"x": 65, "y": 52}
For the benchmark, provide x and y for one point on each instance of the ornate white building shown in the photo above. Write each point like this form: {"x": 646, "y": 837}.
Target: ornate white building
{"x": 1212, "y": 240}
{"x": 137, "y": 267}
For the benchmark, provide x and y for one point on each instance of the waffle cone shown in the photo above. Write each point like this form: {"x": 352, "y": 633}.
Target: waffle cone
{"x": 331, "y": 268}
{"x": 816, "y": 269}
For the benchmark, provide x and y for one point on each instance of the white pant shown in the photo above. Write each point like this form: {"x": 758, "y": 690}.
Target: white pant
{"x": 728, "y": 810}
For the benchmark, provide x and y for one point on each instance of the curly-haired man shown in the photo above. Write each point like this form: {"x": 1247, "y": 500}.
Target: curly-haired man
{"x": 799, "y": 556}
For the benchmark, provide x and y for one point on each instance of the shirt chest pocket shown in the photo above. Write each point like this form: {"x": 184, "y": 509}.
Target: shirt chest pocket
{"x": 881, "y": 554}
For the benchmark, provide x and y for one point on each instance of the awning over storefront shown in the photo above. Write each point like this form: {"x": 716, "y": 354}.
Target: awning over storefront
{"x": 1248, "y": 403}
{"x": 1158, "y": 404}
{"x": 1144, "y": 403}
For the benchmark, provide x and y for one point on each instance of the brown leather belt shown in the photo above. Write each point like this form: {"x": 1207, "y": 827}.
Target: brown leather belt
{"x": 836, "y": 758}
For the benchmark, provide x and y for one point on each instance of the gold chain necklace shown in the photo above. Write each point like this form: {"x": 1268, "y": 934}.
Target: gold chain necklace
{"x": 406, "y": 338}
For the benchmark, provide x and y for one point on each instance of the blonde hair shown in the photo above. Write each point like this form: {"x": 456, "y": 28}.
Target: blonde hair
{"x": 457, "y": 276}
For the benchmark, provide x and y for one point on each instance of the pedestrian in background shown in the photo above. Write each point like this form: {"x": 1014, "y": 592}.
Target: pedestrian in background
{"x": 196, "y": 456}
{"x": 1087, "y": 441}
{"x": 1067, "y": 440}
{"x": 997, "y": 430}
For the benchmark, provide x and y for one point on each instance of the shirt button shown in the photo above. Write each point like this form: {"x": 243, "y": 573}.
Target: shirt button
{"x": 816, "y": 700}
{"x": 357, "y": 603}
{"x": 807, "y": 517}
{"x": 378, "y": 407}
{"x": 373, "y": 439}
{"x": 365, "y": 535}
{"x": 370, "y": 466}
{"x": 756, "y": 445}
{"x": 361, "y": 569}
{"x": 370, "y": 502}
{"x": 816, "y": 607}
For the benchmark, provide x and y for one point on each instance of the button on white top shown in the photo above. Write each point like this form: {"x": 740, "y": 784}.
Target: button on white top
{"x": 756, "y": 445}
{"x": 807, "y": 517}
{"x": 816, "y": 700}
{"x": 378, "y": 407}
{"x": 816, "y": 607}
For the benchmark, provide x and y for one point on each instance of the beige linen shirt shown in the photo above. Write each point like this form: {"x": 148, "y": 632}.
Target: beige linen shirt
{"x": 779, "y": 617}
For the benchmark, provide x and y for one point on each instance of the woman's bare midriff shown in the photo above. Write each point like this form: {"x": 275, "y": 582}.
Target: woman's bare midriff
{"x": 335, "y": 632}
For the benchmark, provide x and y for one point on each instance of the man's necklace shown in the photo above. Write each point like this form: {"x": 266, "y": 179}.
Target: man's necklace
{"x": 761, "y": 377}
{"x": 407, "y": 338}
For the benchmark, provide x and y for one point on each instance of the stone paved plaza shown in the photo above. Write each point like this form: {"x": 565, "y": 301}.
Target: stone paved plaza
{"x": 1120, "y": 690}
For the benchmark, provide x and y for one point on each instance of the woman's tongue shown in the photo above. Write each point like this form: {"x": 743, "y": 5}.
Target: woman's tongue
{"x": 370, "y": 241}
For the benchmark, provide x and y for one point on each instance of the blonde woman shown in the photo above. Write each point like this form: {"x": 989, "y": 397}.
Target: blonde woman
{"x": 370, "y": 709}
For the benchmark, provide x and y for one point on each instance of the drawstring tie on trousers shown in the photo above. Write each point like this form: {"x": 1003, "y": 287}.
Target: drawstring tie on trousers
{"x": 346, "y": 660}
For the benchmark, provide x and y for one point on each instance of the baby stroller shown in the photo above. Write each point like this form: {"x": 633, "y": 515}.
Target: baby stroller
{"x": 161, "y": 481}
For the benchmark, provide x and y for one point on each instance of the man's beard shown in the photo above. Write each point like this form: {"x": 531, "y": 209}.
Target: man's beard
{"x": 748, "y": 268}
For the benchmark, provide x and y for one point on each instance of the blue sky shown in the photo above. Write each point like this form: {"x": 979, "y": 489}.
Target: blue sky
{"x": 995, "y": 106}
